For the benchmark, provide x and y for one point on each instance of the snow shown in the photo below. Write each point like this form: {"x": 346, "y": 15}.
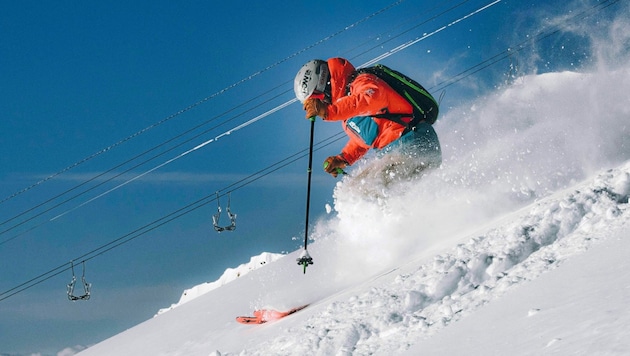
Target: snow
{"x": 229, "y": 275}
{"x": 517, "y": 245}
{"x": 577, "y": 309}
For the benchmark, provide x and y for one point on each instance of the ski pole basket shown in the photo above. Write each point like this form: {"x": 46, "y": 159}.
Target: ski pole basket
{"x": 305, "y": 260}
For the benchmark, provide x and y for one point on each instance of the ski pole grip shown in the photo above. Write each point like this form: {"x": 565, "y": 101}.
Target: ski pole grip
{"x": 338, "y": 170}
{"x": 312, "y": 118}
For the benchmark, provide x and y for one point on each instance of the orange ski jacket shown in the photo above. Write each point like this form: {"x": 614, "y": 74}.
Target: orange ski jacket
{"x": 353, "y": 102}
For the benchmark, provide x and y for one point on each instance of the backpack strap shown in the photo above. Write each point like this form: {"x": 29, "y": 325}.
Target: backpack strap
{"x": 397, "y": 118}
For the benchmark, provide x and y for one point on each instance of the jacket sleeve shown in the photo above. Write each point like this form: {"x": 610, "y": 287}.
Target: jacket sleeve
{"x": 352, "y": 152}
{"x": 366, "y": 98}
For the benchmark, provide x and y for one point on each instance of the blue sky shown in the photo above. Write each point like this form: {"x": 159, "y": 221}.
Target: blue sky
{"x": 80, "y": 79}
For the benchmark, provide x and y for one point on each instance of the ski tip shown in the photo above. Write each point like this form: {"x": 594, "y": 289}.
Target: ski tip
{"x": 249, "y": 320}
{"x": 266, "y": 315}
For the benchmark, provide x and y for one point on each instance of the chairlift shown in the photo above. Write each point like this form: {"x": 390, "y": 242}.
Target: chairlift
{"x": 217, "y": 216}
{"x": 86, "y": 285}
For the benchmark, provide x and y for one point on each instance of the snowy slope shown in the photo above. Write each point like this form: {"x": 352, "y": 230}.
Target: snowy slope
{"x": 577, "y": 309}
{"x": 516, "y": 245}
{"x": 228, "y": 276}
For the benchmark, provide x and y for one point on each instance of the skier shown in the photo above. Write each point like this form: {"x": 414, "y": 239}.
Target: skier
{"x": 335, "y": 91}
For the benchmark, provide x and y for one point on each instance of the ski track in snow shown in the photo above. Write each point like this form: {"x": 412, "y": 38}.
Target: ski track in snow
{"x": 417, "y": 303}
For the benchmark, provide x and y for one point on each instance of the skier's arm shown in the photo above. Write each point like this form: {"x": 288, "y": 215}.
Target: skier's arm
{"x": 367, "y": 98}
{"x": 352, "y": 152}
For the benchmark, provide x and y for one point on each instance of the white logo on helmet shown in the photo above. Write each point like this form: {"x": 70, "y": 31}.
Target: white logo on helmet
{"x": 305, "y": 80}
{"x": 313, "y": 76}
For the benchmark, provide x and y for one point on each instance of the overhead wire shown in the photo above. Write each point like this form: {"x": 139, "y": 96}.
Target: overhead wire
{"x": 167, "y": 218}
{"x": 480, "y": 66}
{"x": 401, "y": 23}
{"x": 143, "y": 230}
{"x": 424, "y": 22}
{"x": 155, "y": 224}
{"x": 273, "y": 110}
{"x": 113, "y": 177}
{"x": 209, "y": 198}
{"x": 380, "y": 11}
{"x": 160, "y": 221}
{"x": 21, "y": 223}
{"x": 202, "y": 101}
{"x": 205, "y": 143}
{"x": 425, "y": 36}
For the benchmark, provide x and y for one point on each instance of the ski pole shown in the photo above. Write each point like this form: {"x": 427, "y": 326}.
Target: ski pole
{"x": 305, "y": 259}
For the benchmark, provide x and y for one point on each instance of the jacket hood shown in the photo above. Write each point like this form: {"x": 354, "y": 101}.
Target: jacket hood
{"x": 341, "y": 71}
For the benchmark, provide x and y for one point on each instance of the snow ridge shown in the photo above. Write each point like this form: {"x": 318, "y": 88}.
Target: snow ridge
{"x": 228, "y": 276}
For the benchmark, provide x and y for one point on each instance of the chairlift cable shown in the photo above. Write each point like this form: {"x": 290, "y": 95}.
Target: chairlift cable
{"x": 264, "y": 115}
{"x": 180, "y": 212}
{"x": 166, "y": 219}
{"x": 416, "y": 25}
{"x": 281, "y": 106}
{"x": 202, "y": 101}
{"x": 145, "y": 153}
{"x": 116, "y": 176}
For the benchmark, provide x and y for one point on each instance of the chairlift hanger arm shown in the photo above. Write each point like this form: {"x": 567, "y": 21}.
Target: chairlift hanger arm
{"x": 86, "y": 286}
{"x": 216, "y": 217}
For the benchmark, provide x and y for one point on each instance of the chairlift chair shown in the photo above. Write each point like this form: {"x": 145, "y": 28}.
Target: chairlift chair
{"x": 217, "y": 216}
{"x": 86, "y": 285}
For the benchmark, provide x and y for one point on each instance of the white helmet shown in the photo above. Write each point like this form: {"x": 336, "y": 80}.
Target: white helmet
{"x": 313, "y": 76}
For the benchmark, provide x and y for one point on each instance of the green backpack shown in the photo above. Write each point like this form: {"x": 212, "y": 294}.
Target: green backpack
{"x": 425, "y": 107}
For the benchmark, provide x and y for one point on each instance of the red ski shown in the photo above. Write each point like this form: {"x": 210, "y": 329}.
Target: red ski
{"x": 265, "y": 315}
